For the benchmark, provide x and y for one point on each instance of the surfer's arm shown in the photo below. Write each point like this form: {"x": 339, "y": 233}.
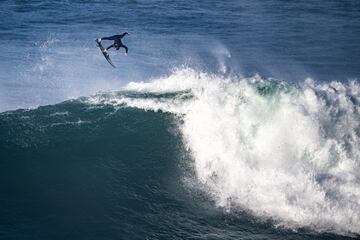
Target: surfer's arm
{"x": 124, "y": 34}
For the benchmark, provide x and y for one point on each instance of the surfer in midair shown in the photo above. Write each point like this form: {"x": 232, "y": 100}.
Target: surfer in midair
{"x": 117, "y": 42}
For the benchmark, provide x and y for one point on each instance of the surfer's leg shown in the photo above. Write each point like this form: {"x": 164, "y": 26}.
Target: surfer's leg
{"x": 112, "y": 45}
{"x": 126, "y": 48}
{"x": 109, "y": 38}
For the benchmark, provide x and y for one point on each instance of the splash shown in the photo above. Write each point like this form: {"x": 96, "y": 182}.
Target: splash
{"x": 281, "y": 152}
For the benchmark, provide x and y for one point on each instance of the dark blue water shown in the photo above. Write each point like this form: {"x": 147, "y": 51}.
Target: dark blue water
{"x": 247, "y": 129}
{"x": 49, "y": 55}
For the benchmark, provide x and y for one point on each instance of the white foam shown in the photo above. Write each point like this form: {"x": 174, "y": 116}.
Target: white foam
{"x": 291, "y": 155}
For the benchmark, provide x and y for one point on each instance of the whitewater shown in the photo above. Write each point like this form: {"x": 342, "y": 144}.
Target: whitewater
{"x": 279, "y": 151}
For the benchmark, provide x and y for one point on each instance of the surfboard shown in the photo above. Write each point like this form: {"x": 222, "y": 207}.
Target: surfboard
{"x": 104, "y": 52}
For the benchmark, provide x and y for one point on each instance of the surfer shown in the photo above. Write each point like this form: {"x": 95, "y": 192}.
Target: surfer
{"x": 117, "y": 42}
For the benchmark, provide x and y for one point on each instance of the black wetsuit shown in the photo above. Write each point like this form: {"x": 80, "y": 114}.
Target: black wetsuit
{"x": 117, "y": 41}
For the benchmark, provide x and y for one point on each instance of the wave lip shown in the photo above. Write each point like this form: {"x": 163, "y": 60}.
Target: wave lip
{"x": 278, "y": 151}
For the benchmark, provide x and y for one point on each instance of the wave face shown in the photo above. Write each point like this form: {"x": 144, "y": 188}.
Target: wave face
{"x": 187, "y": 155}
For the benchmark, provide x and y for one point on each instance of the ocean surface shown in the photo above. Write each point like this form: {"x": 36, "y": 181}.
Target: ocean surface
{"x": 228, "y": 120}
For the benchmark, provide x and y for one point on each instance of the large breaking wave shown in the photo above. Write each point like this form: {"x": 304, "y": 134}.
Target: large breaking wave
{"x": 279, "y": 151}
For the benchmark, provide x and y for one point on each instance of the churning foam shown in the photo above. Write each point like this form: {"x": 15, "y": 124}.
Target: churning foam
{"x": 278, "y": 151}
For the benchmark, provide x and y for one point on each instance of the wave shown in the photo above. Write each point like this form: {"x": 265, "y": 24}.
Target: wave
{"x": 278, "y": 151}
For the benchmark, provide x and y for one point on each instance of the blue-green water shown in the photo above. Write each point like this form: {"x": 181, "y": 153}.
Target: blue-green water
{"x": 147, "y": 164}
{"x": 228, "y": 120}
